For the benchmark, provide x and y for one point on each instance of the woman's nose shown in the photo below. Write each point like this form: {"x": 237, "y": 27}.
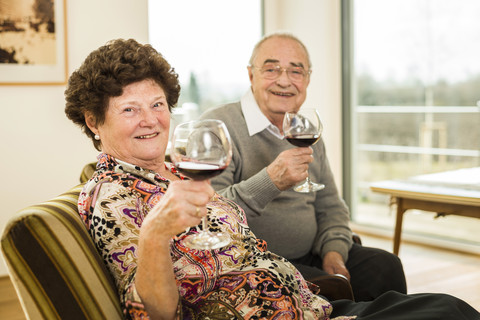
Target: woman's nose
{"x": 148, "y": 118}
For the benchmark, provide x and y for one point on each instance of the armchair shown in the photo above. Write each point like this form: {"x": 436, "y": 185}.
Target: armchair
{"x": 54, "y": 265}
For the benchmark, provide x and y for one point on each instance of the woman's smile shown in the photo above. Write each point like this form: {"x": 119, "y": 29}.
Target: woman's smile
{"x": 147, "y": 136}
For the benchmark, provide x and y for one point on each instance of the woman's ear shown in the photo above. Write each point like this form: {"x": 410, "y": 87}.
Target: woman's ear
{"x": 91, "y": 122}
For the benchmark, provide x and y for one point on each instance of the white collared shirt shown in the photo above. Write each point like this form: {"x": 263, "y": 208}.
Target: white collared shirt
{"x": 256, "y": 120}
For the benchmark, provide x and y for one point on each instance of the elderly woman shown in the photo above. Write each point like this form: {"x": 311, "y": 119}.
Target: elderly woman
{"x": 138, "y": 210}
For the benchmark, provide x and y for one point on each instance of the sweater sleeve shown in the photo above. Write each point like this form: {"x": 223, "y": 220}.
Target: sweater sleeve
{"x": 252, "y": 194}
{"x": 333, "y": 217}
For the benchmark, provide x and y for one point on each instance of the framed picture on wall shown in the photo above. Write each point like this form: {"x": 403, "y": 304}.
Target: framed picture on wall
{"x": 33, "y": 42}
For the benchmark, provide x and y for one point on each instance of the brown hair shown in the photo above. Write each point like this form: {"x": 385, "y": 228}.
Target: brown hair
{"x": 104, "y": 74}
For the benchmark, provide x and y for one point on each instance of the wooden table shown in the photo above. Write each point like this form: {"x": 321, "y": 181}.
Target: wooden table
{"x": 454, "y": 192}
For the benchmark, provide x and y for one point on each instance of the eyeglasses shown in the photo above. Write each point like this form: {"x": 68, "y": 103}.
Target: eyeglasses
{"x": 274, "y": 71}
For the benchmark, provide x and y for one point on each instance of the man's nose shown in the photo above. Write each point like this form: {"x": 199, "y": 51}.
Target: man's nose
{"x": 283, "y": 78}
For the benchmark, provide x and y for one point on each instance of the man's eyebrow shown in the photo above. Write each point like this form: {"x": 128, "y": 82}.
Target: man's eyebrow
{"x": 299, "y": 64}
{"x": 293, "y": 64}
{"x": 270, "y": 61}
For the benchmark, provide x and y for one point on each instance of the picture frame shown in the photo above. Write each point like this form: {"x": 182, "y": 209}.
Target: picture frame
{"x": 33, "y": 42}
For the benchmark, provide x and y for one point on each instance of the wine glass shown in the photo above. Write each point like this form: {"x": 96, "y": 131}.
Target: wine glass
{"x": 201, "y": 150}
{"x": 303, "y": 129}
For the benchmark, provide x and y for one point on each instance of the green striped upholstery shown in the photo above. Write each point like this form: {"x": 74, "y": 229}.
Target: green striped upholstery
{"x": 53, "y": 263}
{"x": 87, "y": 172}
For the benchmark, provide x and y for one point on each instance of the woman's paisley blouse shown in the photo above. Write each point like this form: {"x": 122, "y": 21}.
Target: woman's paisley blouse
{"x": 240, "y": 281}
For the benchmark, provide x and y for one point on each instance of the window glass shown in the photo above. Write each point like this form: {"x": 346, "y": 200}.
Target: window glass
{"x": 417, "y": 80}
{"x": 209, "y": 43}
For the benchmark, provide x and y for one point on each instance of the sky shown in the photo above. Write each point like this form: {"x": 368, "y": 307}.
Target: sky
{"x": 430, "y": 39}
{"x": 214, "y": 36}
{"x": 394, "y": 39}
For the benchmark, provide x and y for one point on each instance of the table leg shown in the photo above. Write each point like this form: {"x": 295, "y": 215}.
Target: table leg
{"x": 398, "y": 225}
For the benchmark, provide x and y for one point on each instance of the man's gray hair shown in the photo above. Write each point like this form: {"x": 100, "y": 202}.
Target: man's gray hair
{"x": 284, "y": 35}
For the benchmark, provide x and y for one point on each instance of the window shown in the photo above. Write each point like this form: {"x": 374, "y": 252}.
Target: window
{"x": 416, "y": 78}
{"x": 209, "y": 44}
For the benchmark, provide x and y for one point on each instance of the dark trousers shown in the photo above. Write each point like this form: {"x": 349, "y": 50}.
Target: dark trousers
{"x": 373, "y": 271}
{"x": 397, "y": 306}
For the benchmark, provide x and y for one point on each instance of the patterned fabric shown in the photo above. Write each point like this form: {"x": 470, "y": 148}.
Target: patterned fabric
{"x": 240, "y": 281}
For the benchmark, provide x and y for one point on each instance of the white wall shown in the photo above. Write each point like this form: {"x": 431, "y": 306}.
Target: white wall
{"x": 317, "y": 24}
{"x": 42, "y": 152}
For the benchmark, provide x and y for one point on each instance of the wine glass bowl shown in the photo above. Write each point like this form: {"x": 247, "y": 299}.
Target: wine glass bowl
{"x": 201, "y": 150}
{"x": 303, "y": 129}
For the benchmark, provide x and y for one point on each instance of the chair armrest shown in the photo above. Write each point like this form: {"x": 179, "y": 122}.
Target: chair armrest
{"x": 356, "y": 238}
{"x": 334, "y": 287}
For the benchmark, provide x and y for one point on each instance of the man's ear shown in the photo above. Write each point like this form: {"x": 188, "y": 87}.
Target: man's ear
{"x": 250, "y": 73}
{"x": 91, "y": 122}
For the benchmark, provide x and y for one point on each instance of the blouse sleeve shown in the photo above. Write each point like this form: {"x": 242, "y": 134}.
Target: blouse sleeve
{"x": 115, "y": 226}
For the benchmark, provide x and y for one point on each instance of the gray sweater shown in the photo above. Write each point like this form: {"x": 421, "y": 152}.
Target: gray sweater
{"x": 292, "y": 223}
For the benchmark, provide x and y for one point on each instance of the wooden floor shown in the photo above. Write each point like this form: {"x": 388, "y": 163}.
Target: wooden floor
{"x": 430, "y": 269}
{"x": 427, "y": 269}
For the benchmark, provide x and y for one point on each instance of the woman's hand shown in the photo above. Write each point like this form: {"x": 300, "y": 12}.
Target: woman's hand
{"x": 182, "y": 206}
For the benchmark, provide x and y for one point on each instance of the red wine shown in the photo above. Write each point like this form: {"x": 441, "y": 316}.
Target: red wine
{"x": 199, "y": 171}
{"x": 303, "y": 140}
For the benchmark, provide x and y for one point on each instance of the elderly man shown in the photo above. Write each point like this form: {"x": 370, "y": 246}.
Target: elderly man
{"x": 310, "y": 229}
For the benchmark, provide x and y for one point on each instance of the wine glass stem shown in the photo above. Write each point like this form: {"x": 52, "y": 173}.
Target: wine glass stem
{"x": 308, "y": 180}
{"x": 308, "y": 176}
{"x": 204, "y": 224}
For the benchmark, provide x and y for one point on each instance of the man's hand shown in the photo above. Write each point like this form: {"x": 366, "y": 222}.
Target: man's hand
{"x": 333, "y": 263}
{"x": 290, "y": 167}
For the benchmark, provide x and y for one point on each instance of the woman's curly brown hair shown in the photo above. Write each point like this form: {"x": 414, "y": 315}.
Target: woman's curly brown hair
{"x": 104, "y": 74}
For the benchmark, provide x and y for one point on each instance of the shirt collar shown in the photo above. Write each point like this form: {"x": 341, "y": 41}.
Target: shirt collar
{"x": 254, "y": 117}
